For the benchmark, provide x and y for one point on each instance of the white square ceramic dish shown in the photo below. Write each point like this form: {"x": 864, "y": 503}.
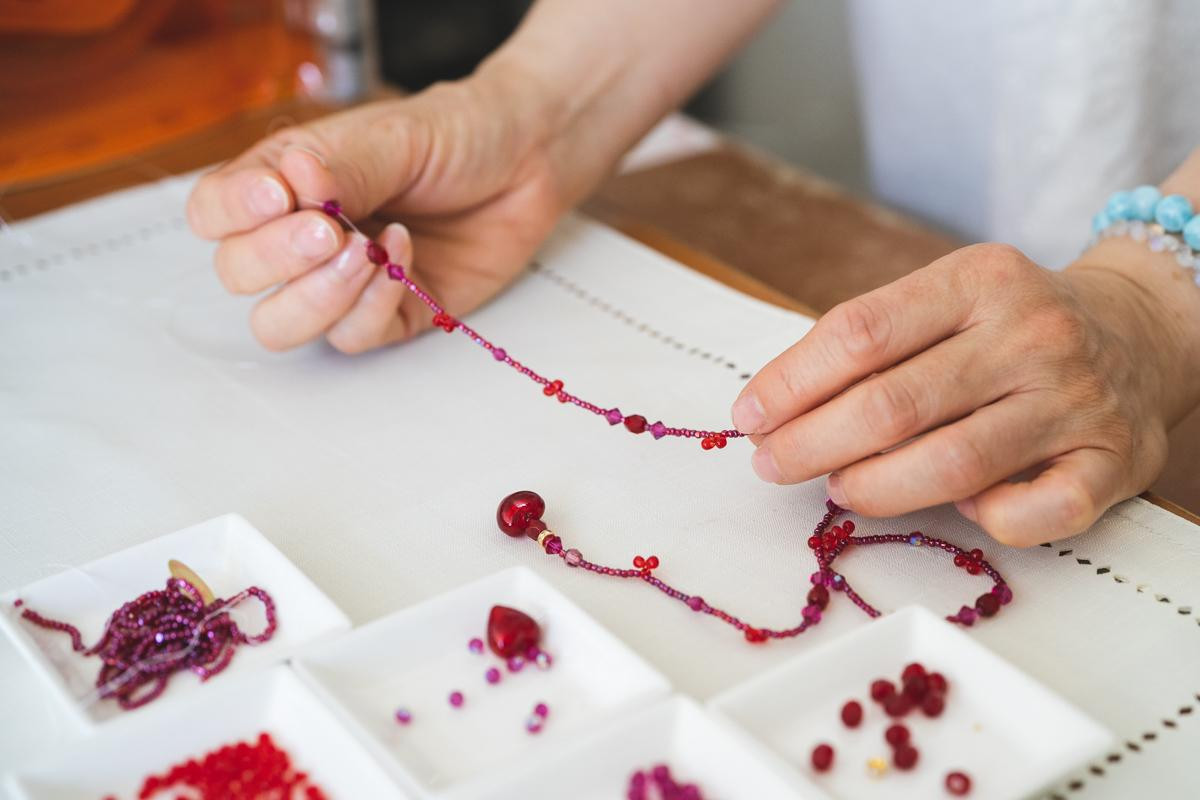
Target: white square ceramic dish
{"x": 1010, "y": 734}
{"x": 722, "y": 761}
{"x": 227, "y": 552}
{"x": 416, "y": 657}
{"x": 273, "y": 701}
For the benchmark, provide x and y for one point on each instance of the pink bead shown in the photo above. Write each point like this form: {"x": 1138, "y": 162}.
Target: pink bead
{"x": 395, "y": 272}
{"x": 492, "y": 675}
{"x": 499, "y": 354}
{"x": 456, "y": 699}
{"x": 332, "y": 207}
{"x": 516, "y": 664}
{"x": 475, "y": 645}
{"x": 1002, "y": 591}
{"x": 695, "y": 602}
{"x": 966, "y": 615}
{"x": 542, "y": 710}
{"x": 403, "y": 716}
{"x": 812, "y": 614}
{"x": 614, "y": 416}
{"x": 573, "y": 557}
{"x": 658, "y": 430}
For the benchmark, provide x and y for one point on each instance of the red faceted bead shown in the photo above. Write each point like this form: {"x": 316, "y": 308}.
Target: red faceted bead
{"x": 881, "y": 689}
{"x": 814, "y": 542}
{"x": 719, "y": 440}
{"x": 912, "y": 670}
{"x": 511, "y": 632}
{"x": 822, "y": 757}
{"x": 973, "y": 568}
{"x": 755, "y": 636}
{"x": 960, "y": 560}
{"x": 552, "y": 388}
{"x": 905, "y": 756}
{"x": 829, "y": 540}
{"x": 852, "y": 714}
{"x": 897, "y": 705}
{"x": 818, "y": 596}
{"x": 916, "y": 686}
{"x": 848, "y": 526}
{"x": 987, "y": 605}
{"x": 635, "y": 423}
{"x": 376, "y": 254}
{"x": 639, "y": 562}
{"x": 707, "y": 443}
{"x": 976, "y": 554}
{"x": 896, "y": 735}
{"x": 518, "y": 510}
{"x": 937, "y": 682}
{"x": 933, "y": 704}
{"x": 958, "y": 784}
{"x": 652, "y": 562}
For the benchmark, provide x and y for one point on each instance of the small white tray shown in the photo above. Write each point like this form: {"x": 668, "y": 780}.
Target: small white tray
{"x": 274, "y": 701}
{"x": 227, "y": 552}
{"x": 1010, "y": 734}
{"x": 723, "y": 762}
{"x": 416, "y": 657}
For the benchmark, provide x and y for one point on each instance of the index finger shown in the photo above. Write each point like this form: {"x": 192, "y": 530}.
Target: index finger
{"x": 854, "y": 340}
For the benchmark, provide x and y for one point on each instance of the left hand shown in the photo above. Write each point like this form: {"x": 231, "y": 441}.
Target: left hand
{"x": 943, "y": 386}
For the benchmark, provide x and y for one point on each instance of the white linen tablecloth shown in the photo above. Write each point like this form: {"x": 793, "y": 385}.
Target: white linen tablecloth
{"x": 133, "y": 402}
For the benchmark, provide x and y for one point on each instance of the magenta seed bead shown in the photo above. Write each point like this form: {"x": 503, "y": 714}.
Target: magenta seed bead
{"x": 543, "y": 660}
{"x": 475, "y": 645}
{"x": 695, "y": 602}
{"x": 332, "y": 207}
{"x": 492, "y": 675}
{"x": 456, "y": 699}
{"x": 516, "y": 664}
{"x": 403, "y": 716}
{"x": 499, "y": 354}
{"x": 542, "y": 710}
{"x": 614, "y": 416}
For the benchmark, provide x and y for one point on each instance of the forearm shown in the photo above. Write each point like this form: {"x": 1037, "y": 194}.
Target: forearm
{"x": 593, "y": 77}
{"x": 1155, "y": 294}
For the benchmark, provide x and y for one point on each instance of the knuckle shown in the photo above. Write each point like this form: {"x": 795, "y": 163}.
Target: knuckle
{"x": 862, "y": 327}
{"x": 958, "y": 462}
{"x": 1000, "y": 262}
{"x": 227, "y": 273}
{"x": 891, "y": 410}
{"x": 1074, "y": 509}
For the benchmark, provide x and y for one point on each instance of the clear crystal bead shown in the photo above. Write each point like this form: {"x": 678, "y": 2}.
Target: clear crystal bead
{"x": 1185, "y": 257}
{"x": 1138, "y": 230}
{"x": 1172, "y": 244}
{"x": 1157, "y": 243}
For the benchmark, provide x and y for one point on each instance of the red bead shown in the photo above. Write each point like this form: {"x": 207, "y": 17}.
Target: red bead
{"x": 828, "y": 540}
{"x": 755, "y": 636}
{"x": 848, "y": 526}
{"x": 511, "y": 632}
{"x": 518, "y": 510}
{"x": 933, "y": 705}
{"x": 838, "y": 532}
{"x": 896, "y": 735}
{"x": 916, "y": 686}
{"x": 376, "y": 254}
{"x": 905, "y": 756}
{"x": 652, "y": 562}
{"x": 818, "y": 596}
{"x": 897, "y": 705}
{"x": 852, "y": 714}
{"x": 881, "y": 689}
{"x": 822, "y": 757}
{"x": 987, "y": 605}
{"x": 639, "y": 562}
{"x": 635, "y": 423}
{"x": 973, "y": 567}
{"x": 937, "y": 682}
{"x": 958, "y": 784}
{"x": 552, "y": 388}
{"x": 814, "y": 542}
{"x": 960, "y": 560}
{"x": 976, "y": 554}
{"x": 535, "y": 529}
{"x": 912, "y": 670}
{"x": 707, "y": 443}
{"x": 719, "y": 440}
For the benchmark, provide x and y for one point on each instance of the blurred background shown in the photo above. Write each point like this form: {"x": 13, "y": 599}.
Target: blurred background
{"x": 84, "y": 84}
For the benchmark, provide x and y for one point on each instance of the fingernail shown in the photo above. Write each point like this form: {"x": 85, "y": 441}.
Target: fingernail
{"x": 764, "y": 465}
{"x": 967, "y": 509}
{"x": 312, "y": 153}
{"x": 748, "y": 414}
{"x": 268, "y": 198}
{"x": 833, "y": 487}
{"x": 351, "y": 261}
{"x": 316, "y": 238}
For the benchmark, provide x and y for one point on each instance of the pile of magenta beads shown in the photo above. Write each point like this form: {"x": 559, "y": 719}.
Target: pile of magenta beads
{"x": 917, "y": 688}
{"x": 520, "y": 515}
{"x": 160, "y": 633}
{"x": 634, "y": 423}
{"x": 657, "y": 783}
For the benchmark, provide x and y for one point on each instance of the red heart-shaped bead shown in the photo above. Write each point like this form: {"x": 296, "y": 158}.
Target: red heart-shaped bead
{"x": 511, "y": 632}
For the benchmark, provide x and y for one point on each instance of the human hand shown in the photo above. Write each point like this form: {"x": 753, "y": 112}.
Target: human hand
{"x": 461, "y": 164}
{"x": 981, "y": 368}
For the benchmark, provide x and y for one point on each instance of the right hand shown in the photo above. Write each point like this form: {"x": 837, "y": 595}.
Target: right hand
{"x": 461, "y": 166}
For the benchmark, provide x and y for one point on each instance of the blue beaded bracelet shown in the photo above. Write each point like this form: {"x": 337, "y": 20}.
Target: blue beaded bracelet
{"x": 1166, "y": 224}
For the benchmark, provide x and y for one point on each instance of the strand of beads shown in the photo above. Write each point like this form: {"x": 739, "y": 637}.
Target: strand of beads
{"x": 520, "y": 515}
{"x": 159, "y": 633}
{"x": 1166, "y": 224}
{"x": 634, "y": 423}
{"x": 664, "y": 785}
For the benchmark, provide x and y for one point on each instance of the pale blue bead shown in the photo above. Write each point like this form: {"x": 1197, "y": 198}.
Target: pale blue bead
{"x": 1173, "y": 212}
{"x": 1144, "y": 198}
{"x": 1119, "y": 206}
{"x": 1191, "y": 233}
{"x": 1101, "y": 221}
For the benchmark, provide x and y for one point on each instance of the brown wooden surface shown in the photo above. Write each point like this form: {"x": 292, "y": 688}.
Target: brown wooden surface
{"x": 763, "y": 228}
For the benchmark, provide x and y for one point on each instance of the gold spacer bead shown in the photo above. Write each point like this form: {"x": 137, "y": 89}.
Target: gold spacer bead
{"x": 877, "y": 767}
{"x": 543, "y": 536}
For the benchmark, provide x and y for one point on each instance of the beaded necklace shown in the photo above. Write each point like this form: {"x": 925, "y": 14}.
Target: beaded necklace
{"x": 520, "y": 514}
{"x": 634, "y": 423}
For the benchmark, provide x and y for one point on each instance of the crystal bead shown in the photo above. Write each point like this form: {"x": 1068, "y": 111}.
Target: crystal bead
{"x": 1185, "y": 257}
{"x": 573, "y": 557}
{"x": 1137, "y": 230}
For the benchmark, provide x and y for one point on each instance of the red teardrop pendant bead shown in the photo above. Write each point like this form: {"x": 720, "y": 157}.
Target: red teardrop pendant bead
{"x": 511, "y": 632}
{"x": 518, "y": 510}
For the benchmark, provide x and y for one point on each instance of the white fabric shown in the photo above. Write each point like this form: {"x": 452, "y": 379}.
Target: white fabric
{"x": 1013, "y": 120}
{"x": 135, "y": 403}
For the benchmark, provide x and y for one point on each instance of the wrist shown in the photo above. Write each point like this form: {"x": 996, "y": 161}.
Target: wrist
{"x": 1153, "y": 305}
